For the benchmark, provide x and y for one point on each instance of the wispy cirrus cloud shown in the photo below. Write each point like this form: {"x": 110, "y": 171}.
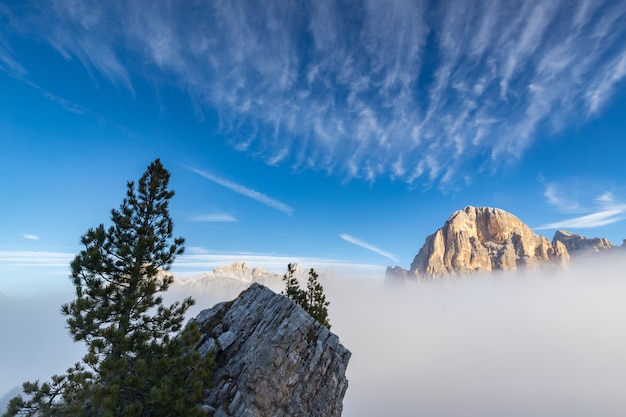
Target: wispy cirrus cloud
{"x": 216, "y": 217}
{"x": 8, "y": 62}
{"x": 597, "y": 219}
{"x": 594, "y": 211}
{"x": 245, "y": 191}
{"x": 415, "y": 91}
{"x": 358, "y": 242}
{"x": 66, "y": 104}
{"x": 36, "y": 258}
{"x": 30, "y": 236}
{"x": 556, "y": 198}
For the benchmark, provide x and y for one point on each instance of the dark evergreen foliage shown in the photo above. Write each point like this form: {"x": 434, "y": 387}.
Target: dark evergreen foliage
{"x": 312, "y": 300}
{"x": 316, "y": 304}
{"x": 292, "y": 286}
{"x": 141, "y": 360}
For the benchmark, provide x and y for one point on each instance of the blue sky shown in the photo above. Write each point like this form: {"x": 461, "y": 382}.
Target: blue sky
{"x": 332, "y": 133}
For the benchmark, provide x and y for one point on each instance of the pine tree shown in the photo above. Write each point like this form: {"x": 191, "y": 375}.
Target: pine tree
{"x": 315, "y": 302}
{"x": 141, "y": 360}
{"x": 292, "y": 286}
{"x": 312, "y": 300}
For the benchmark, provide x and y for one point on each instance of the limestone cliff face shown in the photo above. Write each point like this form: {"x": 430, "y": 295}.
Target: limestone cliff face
{"x": 575, "y": 243}
{"x": 273, "y": 359}
{"x": 484, "y": 239}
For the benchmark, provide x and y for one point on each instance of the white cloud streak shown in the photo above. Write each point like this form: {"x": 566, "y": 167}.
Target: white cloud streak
{"x": 36, "y": 258}
{"x": 365, "y": 245}
{"x": 555, "y": 198}
{"x": 8, "y": 63}
{"x": 600, "y": 218}
{"x": 349, "y": 90}
{"x": 601, "y": 210}
{"x": 245, "y": 191}
{"x": 217, "y": 217}
{"x": 66, "y": 104}
{"x": 30, "y": 236}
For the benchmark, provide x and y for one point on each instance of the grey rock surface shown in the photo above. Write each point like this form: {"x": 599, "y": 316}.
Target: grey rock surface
{"x": 273, "y": 359}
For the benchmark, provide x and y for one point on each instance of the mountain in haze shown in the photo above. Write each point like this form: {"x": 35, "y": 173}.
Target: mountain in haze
{"x": 576, "y": 243}
{"x": 482, "y": 239}
{"x": 224, "y": 282}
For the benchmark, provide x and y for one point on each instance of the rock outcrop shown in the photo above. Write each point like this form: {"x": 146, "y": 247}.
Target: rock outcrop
{"x": 483, "y": 239}
{"x": 576, "y": 243}
{"x": 273, "y": 358}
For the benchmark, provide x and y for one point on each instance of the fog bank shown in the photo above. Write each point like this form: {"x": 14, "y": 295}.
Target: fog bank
{"x": 35, "y": 341}
{"x": 533, "y": 345}
{"x": 512, "y": 344}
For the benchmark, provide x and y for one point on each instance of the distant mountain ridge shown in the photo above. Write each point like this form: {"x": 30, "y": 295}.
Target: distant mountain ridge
{"x": 226, "y": 282}
{"x": 223, "y": 282}
{"x": 237, "y": 274}
{"x": 479, "y": 239}
{"x": 576, "y": 243}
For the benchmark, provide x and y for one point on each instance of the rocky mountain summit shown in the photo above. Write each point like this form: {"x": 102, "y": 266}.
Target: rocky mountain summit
{"x": 273, "y": 358}
{"x": 482, "y": 239}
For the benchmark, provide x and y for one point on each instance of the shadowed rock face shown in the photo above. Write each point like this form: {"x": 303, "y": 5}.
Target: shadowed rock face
{"x": 273, "y": 358}
{"x": 484, "y": 239}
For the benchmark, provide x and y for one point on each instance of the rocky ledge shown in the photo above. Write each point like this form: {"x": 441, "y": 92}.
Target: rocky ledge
{"x": 273, "y": 359}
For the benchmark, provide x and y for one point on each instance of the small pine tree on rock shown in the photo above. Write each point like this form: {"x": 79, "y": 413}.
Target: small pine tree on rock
{"x": 316, "y": 304}
{"x": 312, "y": 300}
{"x": 141, "y": 359}
{"x": 292, "y": 286}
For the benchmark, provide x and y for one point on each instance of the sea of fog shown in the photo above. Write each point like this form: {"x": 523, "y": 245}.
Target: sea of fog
{"x": 526, "y": 344}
